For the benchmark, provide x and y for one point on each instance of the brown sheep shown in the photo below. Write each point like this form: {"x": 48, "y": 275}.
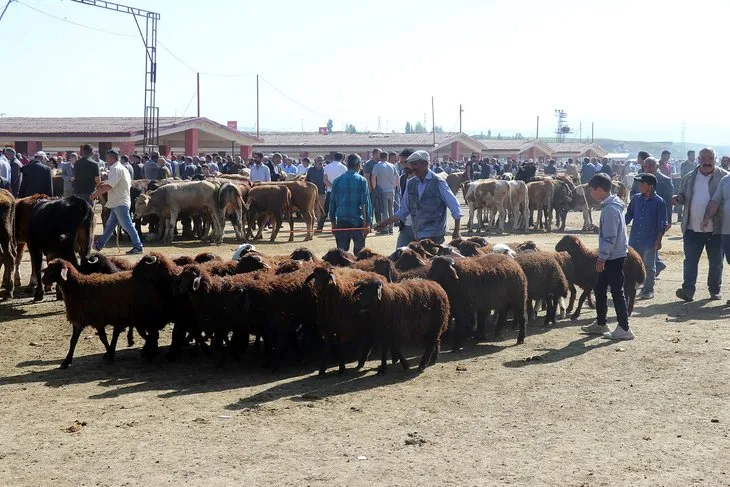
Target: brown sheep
{"x": 545, "y": 281}
{"x": 339, "y": 258}
{"x": 481, "y": 284}
{"x": 404, "y": 312}
{"x": 585, "y": 259}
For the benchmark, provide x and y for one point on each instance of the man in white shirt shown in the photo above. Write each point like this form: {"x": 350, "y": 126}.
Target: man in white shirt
{"x": 695, "y": 193}
{"x": 4, "y": 168}
{"x": 303, "y": 167}
{"x": 332, "y": 171}
{"x": 117, "y": 188}
{"x": 384, "y": 181}
{"x": 259, "y": 171}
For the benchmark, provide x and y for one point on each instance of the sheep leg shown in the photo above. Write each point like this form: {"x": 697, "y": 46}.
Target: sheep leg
{"x": 383, "y": 358}
{"x": 130, "y": 336}
{"x": 324, "y": 360}
{"x": 571, "y": 303}
{"x": 531, "y": 315}
{"x": 469, "y": 222}
{"x": 457, "y": 325}
{"x": 581, "y": 300}
{"x": 101, "y": 331}
{"x": 436, "y": 351}
{"x": 340, "y": 358}
{"x": 520, "y": 317}
{"x": 72, "y": 346}
{"x": 178, "y": 338}
{"x": 220, "y": 356}
{"x": 403, "y": 361}
{"x": 428, "y": 353}
{"x": 151, "y": 348}
{"x": 367, "y": 346}
{"x": 113, "y": 345}
{"x": 630, "y": 298}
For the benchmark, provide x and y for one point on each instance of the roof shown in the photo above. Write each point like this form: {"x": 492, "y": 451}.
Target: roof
{"x": 98, "y": 127}
{"x": 342, "y": 139}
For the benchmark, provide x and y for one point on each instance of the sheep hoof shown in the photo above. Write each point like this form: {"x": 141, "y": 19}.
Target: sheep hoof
{"x": 382, "y": 369}
{"x": 64, "y": 365}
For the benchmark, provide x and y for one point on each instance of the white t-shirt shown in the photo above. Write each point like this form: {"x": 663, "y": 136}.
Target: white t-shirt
{"x": 119, "y": 180}
{"x": 333, "y": 170}
{"x": 301, "y": 169}
{"x": 700, "y": 197}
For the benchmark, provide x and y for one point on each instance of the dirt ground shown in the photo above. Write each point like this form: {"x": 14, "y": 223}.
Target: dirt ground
{"x": 564, "y": 409}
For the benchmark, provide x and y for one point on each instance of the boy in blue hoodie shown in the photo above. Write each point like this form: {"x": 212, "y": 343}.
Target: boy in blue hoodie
{"x": 612, "y": 249}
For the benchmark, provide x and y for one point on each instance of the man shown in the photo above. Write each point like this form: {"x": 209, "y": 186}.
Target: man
{"x": 471, "y": 166}
{"x": 720, "y": 200}
{"x": 287, "y": 167}
{"x": 86, "y": 174}
{"x": 315, "y": 175}
{"x": 188, "y": 169}
{"x": 97, "y": 159}
{"x": 550, "y": 169}
{"x": 695, "y": 193}
{"x": 36, "y": 177}
{"x": 274, "y": 165}
{"x": 332, "y": 171}
{"x": 485, "y": 169}
{"x": 259, "y": 170}
{"x": 572, "y": 170}
{"x": 437, "y": 169}
{"x": 587, "y": 171}
{"x": 597, "y": 164}
{"x": 150, "y": 169}
{"x": 385, "y": 180}
{"x": 117, "y": 187}
{"x": 367, "y": 171}
{"x": 648, "y": 212}
{"x": 664, "y": 165}
{"x": 393, "y": 159}
{"x": 213, "y": 167}
{"x": 16, "y": 176}
{"x": 350, "y": 207}
{"x": 426, "y": 199}
{"x": 164, "y": 171}
{"x": 405, "y": 230}
{"x": 303, "y": 167}
{"x": 67, "y": 174}
{"x": 125, "y": 162}
{"x": 173, "y": 165}
{"x": 5, "y": 168}
{"x": 688, "y": 165}
{"x": 606, "y": 168}
{"x": 137, "y": 166}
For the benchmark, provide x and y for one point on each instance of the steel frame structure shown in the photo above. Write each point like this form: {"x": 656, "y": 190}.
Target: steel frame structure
{"x": 149, "y": 38}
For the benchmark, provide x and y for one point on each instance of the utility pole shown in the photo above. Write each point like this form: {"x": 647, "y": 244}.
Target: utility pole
{"x": 257, "y": 105}
{"x": 580, "y": 131}
{"x": 591, "y": 132}
{"x": 461, "y": 110}
{"x": 198, "y": 93}
{"x": 433, "y": 122}
{"x": 537, "y": 130}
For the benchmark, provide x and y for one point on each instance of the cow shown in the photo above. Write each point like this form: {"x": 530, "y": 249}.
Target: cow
{"x": 172, "y": 199}
{"x": 455, "y": 180}
{"x": 304, "y": 197}
{"x": 23, "y": 212}
{"x": 58, "y": 227}
{"x": 540, "y": 195}
{"x": 519, "y": 204}
{"x": 273, "y": 201}
{"x": 7, "y": 241}
{"x": 492, "y": 194}
{"x": 582, "y": 201}
{"x": 562, "y": 202}
{"x": 230, "y": 201}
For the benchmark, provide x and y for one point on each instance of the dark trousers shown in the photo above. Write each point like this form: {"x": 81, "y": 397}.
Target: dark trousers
{"x": 694, "y": 244}
{"x": 342, "y": 238}
{"x": 612, "y": 275}
{"x": 323, "y": 217}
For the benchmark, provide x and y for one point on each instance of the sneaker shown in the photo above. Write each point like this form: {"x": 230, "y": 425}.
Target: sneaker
{"x": 134, "y": 251}
{"x": 595, "y": 329}
{"x": 715, "y": 296}
{"x": 96, "y": 246}
{"x": 646, "y": 296}
{"x": 659, "y": 268}
{"x": 619, "y": 334}
{"x": 682, "y": 294}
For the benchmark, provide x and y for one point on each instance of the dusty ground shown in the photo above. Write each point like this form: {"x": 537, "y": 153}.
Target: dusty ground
{"x": 564, "y": 409}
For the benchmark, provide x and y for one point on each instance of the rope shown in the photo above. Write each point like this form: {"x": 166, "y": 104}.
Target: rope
{"x": 323, "y": 230}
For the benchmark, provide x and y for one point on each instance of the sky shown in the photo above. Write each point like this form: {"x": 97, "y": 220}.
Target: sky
{"x": 637, "y": 70}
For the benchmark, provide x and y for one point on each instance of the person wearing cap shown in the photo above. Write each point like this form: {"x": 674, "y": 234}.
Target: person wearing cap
{"x": 405, "y": 229}
{"x": 37, "y": 177}
{"x": 117, "y": 188}
{"x": 426, "y": 199}
{"x": 648, "y": 211}
{"x": 67, "y": 174}
{"x": 350, "y": 210}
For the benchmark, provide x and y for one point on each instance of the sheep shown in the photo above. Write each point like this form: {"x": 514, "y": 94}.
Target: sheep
{"x": 98, "y": 263}
{"x": 367, "y": 253}
{"x": 545, "y": 280}
{"x": 504, "y": 249}
{"x": 204, "y": 257}
{"x": 338, "y": 320}
{"x": 220, "y": 267}
{"x": 405, "y": 311}
{"x": 481, "y": 284}
{"x": 339, "y": 258}
{"x": 565, "y": 261}
{"x": 294, "y": 265}
{"x": 242, "y": 250}
{"x": 101, "y": 300}
{"x": 470, "y": 249}
{"x": 250, "y": 263}
{"x": 584, "y": 260}
{"x": 303, "y": 253}
{"x": 183, "y": 260}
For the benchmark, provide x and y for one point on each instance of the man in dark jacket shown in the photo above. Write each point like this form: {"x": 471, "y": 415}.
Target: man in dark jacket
{"x": 36, "y": 177}
{"x": 16, "y": 177}
{"x": 606, "y": 168}
{"x": 587, "y": 171}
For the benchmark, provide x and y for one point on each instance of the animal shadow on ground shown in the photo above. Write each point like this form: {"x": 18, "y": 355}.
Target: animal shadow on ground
{"x": 573, "y": 349}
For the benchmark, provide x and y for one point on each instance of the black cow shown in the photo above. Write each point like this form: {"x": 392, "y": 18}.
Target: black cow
{"x": 526, "y": 172}
{"x": 57, "y": 228}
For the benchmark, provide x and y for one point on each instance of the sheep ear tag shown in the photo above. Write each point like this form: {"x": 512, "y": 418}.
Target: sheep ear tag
{"x": 380, "y": 293}
{"x": 64, "y": 273}
{"x": 196, "y": 283}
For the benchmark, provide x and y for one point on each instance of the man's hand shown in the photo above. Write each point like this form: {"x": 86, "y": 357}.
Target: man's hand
{"x": 365, "y": 232}
{"x": 705, "y": 224}
{"x": 93, "y": 196}
{"x": 600, "y": 266}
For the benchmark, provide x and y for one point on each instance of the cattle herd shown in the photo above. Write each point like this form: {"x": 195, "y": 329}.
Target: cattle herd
{"x": 339, "y": 305}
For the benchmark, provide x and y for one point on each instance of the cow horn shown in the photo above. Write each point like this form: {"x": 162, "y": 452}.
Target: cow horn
{"x": 92, "y": 260}
{"x": 150, "y": 259}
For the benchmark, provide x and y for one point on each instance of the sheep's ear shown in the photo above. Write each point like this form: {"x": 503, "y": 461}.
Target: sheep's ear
{"x": 309, "y": 278}
{"x": 332, "y": 278}
{"x": 64, "y": 273}
{"x": 454, "y": 274}
{"x": 380, "y": 291}
{"x": 196, "y": 283}
{"x": 389, "y": 277}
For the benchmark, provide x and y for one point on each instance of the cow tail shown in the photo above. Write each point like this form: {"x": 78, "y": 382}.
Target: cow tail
{"x": 221, "y": 196}
{"x": 87, "y": 224}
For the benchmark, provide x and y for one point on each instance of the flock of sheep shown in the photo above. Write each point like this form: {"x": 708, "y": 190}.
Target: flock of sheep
{"x": 300, "y": 303}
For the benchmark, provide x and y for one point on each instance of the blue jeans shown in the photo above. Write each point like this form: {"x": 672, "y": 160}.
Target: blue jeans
{"x": 694, "y": 243}
{"x": 343, "y": 238}
{"x": 120, "y": 216}
{"x": 385, "y": 207}
{"x": 726, "y": 247}
{"x": 405, "y": 236}
{"x": 649, "y": 257}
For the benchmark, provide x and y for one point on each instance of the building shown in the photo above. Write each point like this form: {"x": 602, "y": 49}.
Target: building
{"x": 177, "y": 135}
{"x": 539, "y": 150}
{"x": 447, "y": 145}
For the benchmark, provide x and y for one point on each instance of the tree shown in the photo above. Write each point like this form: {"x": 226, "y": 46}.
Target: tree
{"x": 350, "y": 129}
{"x": 419, "y": 128}
{"x": 330, "y": 124}
{"x": 519, "y": 136}
{"x": 499, "y": 136}
{"x": 409, "y": 129}
{"x": 438, "y": 129}
{"x": 489, "y": 134}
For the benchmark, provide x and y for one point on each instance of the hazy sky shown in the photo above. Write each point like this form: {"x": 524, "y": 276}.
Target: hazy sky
{"x": 638, "y": 69}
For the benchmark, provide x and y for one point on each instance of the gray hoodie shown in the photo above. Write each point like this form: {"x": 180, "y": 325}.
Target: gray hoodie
{"x": 612, "y": 238}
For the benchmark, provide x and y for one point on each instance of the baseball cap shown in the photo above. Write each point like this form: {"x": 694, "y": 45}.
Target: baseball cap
{"x": 646, "y": 178}
{"x": 419, "y": 155}
{"x": 41, "y": 154}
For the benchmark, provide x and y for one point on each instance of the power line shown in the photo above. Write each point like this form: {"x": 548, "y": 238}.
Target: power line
{"x": 291, "y": 99}
{"x": 64, "y": 19}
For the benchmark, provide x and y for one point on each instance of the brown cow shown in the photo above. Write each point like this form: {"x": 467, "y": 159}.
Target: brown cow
{"x": 273, "y": 201}
{"x": 304, "y": 197}
{"x": 7, "y": 241}
{"x": 540, "y": 196}
{"x": 455, "y": 180}
{"x": 582, "y": 201}
{"x": 23, "y": 212}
